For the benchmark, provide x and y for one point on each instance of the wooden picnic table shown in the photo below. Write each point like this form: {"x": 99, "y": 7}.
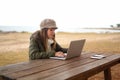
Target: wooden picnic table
{"x": 78, "y": 68}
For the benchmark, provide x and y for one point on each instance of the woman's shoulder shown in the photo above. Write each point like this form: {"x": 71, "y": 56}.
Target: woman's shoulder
{"x": 35, "y": 35}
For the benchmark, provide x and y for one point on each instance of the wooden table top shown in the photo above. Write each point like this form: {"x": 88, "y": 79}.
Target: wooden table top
{"x": 49, "y": 69}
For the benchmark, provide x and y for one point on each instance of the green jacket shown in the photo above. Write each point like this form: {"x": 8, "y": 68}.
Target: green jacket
{"x": 36, "y": 50}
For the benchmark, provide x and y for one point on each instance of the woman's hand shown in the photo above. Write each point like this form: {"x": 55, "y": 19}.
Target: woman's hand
{"x": 59, "y": 54}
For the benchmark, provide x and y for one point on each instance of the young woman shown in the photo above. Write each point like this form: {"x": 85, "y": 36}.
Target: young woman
{"x": 43, "y": 43}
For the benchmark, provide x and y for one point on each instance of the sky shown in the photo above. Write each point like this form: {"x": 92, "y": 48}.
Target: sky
{"x": 66, "y": 13}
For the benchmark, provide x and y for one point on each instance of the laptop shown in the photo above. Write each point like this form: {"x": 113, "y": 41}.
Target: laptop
{"x": 74, "y": 50}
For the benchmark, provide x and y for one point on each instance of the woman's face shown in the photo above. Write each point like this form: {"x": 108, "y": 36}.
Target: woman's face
{"x": 51, "y": 33}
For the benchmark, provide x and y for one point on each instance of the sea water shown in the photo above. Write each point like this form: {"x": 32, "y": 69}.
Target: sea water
{"x": 68, "y": 29}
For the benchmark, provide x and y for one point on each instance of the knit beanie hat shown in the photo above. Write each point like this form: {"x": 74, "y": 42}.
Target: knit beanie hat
{"x": 48, "y": 23}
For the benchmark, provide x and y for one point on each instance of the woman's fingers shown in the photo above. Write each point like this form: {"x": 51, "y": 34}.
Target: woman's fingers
{"x": 59, "y": 54}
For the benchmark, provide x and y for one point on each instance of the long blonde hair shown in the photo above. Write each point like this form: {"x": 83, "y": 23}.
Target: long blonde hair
{"x": 44, "y": 39}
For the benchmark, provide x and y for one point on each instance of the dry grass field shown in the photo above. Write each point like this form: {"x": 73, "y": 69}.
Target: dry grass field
{"x": 14, "y": 47}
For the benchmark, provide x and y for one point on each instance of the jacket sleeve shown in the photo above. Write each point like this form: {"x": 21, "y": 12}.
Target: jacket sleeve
{"x": 37, "y": 52}
{"x": 59, "y": 48}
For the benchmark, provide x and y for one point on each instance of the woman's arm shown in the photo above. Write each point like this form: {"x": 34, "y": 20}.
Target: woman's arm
{"x": 37, "y": 52}
{"x": 59, "y": 48}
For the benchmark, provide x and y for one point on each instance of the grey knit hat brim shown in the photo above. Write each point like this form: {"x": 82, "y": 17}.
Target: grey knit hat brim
{"x": 49, "y": 27}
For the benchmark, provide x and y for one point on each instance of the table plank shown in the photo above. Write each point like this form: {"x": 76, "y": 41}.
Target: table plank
{"x": 59, "y": 69}
{"x": 85, "y": 71}
{"x": 24, "y": 65}
{"x": 40, "y": 69}
{"x": 43, "y": 68}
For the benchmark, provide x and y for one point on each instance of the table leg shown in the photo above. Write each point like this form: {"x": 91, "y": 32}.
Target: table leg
{"x": 119, "y": 61}
{"x": 107, "y": 74}
{"x": 86, "y": 79}
{"x": 78, "y": 78}
{"x": 81, "y": 79}
{"x": 1, "y": 78}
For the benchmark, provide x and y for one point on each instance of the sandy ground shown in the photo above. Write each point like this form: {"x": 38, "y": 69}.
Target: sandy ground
{"x": 14, "y": 42}
{"x": 20, "y": 41}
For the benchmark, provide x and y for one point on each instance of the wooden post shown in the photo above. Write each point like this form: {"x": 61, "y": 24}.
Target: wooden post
{"x": 107, "y": 74}
{"x": 78, "y": 78}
